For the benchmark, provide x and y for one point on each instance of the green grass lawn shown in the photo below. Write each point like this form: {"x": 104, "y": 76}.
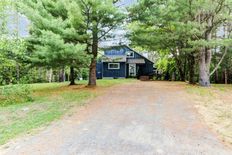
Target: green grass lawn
{"x": 50, "y": 102}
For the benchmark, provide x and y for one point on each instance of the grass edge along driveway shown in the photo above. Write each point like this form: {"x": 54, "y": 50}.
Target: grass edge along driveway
{"x": 51, "y": 101}
{"x": 215, "y": 106}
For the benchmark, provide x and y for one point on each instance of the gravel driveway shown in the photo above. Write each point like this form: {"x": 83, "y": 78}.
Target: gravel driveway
{"x": 144, "y": 118}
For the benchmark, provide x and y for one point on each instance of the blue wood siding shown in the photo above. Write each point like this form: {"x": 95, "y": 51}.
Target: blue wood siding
{"x": 115, "y": 73}
{"x": 137, "y": 56}
{"x": 99, "y": 70}
{"x": 148, "y": 68}
{"x": 145, "y": 69}
{"x": 142, "y": 69}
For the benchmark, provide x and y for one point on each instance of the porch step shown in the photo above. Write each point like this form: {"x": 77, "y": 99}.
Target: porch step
{"x": 144, "y": 78}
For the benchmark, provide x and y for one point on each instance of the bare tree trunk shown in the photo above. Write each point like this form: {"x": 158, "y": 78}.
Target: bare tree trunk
{"x": 68, "y": 77}
{"x": 204, "y": 77}
{"x": 226, "y": 76}
{"x": 72, "y": 76}
{"x": 205, "y": 60}
{"x": 50, "y": 75}
{"x": 185, "y": 66}
{"x": 173, "y": 76}
{"x": 92, "y": 68}
{"x": 62, "y": 75}
{"x": 18, "y": 71}
{"x": 216, "y": 76}
{"x": 219, "y": 63}
{"x": 225, "y": 50}
{"x": 182, "y": 74}
{"x": 191, "y": 69}
{"x": 92, "y": 72}
{"x": 40, "y": 74}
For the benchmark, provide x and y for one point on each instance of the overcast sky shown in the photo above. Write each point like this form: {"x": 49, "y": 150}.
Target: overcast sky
{"x": 22, "y": 25}
{"x": 119, "y": 34}
{"x": 127, "y": 2}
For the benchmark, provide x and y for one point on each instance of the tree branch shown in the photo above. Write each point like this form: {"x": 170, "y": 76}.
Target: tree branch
{"x": 222, "y": 58}
{"x": 106, "y": 32}
{"x": 219, "y": 63}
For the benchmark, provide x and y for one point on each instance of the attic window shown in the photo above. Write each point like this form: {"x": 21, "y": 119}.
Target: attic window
{"x": 130, "y": 54}
{"x": 113, "y": 65}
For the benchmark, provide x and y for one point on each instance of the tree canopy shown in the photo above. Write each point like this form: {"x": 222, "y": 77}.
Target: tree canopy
{"x": 69, "y": 31}
{"x": 12, "y": 48}
{"x": 184, "y": 28}
{"x": 191, "y": 38}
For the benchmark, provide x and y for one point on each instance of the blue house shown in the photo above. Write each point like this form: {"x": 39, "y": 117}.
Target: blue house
{"x": 123, "y": 62}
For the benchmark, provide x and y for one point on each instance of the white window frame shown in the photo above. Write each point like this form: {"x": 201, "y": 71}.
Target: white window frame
{"x": 133, "y": 54}
{"x": 113, "y": 64}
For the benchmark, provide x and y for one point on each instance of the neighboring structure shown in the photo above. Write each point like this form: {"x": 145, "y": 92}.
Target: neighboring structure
{"x": 123, "y": 62}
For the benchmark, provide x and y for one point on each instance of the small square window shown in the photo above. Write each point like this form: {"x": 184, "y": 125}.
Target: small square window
{"x": 113, "y": 66}
{"x": 130, "y": 54}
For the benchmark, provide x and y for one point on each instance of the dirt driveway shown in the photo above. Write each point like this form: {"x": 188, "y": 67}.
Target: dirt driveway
{"x": 136, "y": 118}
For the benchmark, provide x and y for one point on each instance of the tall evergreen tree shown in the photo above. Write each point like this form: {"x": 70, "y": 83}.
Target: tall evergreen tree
{"x": 57, "y": 35}
{"x": 99, "y": 18}
{"x": 78, "y": 23}
{"x": 185, "y": 28}
{"x": 209, "y": 19}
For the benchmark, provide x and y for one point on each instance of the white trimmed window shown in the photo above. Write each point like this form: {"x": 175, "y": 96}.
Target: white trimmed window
{"x": 113, "y": 65}
{"x": 130, "y": 54}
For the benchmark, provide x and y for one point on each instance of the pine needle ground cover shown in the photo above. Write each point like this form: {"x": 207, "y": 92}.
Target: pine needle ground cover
{"x": 50, "y": 102}
{"x": 215, "y": 105}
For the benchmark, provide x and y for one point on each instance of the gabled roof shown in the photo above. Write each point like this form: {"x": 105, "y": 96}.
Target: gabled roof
{"x": 119, "y": 46}
{"x": 113, "y": 47}
{"x": 114, "y": 58}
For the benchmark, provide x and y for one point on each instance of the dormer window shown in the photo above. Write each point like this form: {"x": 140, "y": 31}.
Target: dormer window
{"x": 130, "y": 54}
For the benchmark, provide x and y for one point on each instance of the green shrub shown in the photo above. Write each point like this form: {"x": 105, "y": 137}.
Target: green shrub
{"x": 14, "y": 94}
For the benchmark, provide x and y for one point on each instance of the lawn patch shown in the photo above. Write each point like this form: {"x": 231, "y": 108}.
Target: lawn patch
{"x": 50, "y": 102}
{"x": 215, "y": 105}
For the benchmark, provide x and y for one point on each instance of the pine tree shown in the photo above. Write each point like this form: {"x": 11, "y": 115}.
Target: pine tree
{"x": 185, "y": 28}
{"x": 70, "y": 26}
{"x": 57, "y": 35}
{"x": 99, "y": 18}
{"x": 208, "y": 20}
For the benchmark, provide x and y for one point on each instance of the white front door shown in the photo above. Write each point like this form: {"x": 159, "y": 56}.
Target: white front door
{"x": 132, "y": 70}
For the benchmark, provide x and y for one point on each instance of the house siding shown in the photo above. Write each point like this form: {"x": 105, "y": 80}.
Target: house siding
{"x": 114, "y": 73}
{"x": 137, "y": 56}
{"x": 142, "y": 69}
{"x": 148, "y": 69}
{"x": 99, "y": 71}
{"x": 145, "y": 69}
